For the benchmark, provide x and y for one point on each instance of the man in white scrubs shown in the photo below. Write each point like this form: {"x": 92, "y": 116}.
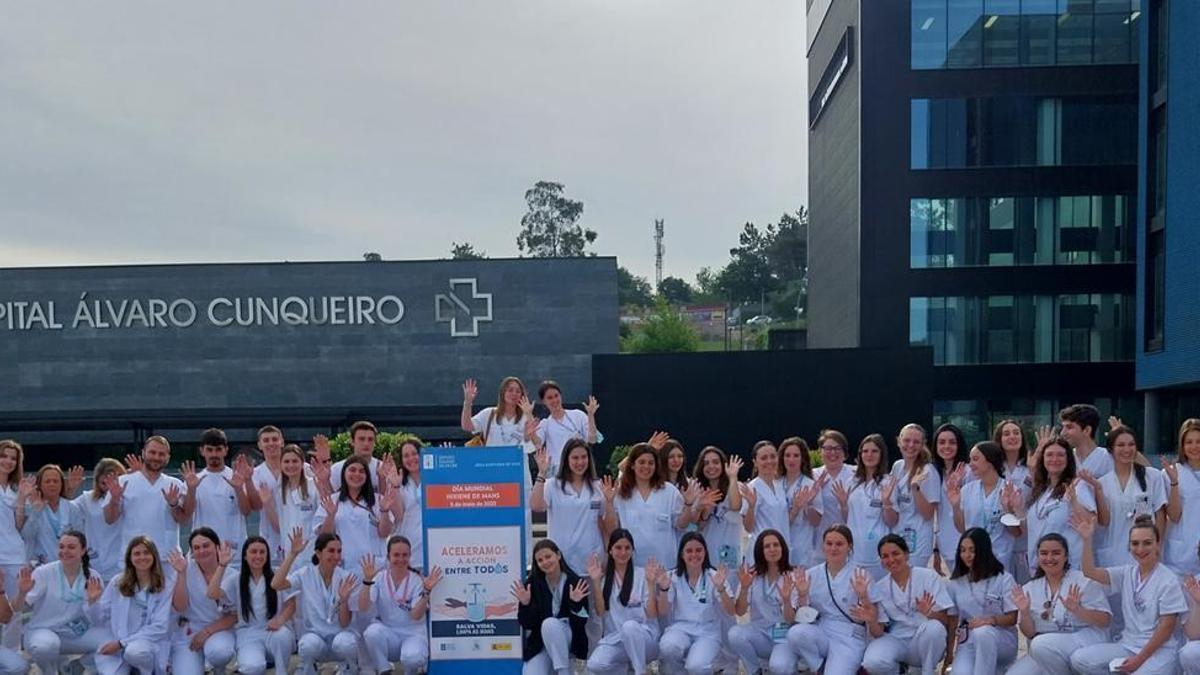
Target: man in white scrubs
{"x": 150, "y": 502}
{"x": 266, "y": 475}
{"x": 362, "y": 444}
{"x": 222, "y": 495}
{"x": 1079, "y": 423}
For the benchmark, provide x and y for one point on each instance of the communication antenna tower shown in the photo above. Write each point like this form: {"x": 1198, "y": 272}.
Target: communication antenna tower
{"x": 659, "y": 249}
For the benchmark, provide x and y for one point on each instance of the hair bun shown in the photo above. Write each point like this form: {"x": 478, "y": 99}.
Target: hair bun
{"x": 1143, "y": 520}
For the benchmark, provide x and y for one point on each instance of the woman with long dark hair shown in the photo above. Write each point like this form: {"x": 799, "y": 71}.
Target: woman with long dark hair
{"x": 693, "y": 595}
{"x": 984, "y": 501}
{"x": 622, "y": 599}
{"x": 397, "y": 603}
{"x": 1123, "y": 494}
{"x": 574, "y": 502}
{"x": 951, "y": 460}
{"x": 1059, "y": 611}
{"x": 767, "y": 590}
{"x": 54, "y": 594}
{"x": 1152, "y": 602}
{"x": 410, "y": 527}
{"x": 204, "y": 630}
{"x": 1009, "y": 435}
{"x": 647, "y": 506}
{"x": 907, "y": 614}
{"x": 675, "y": 464}
{"x": 324, "y": 604}
{"x": 361, "y": 521}
{"x": 263, "y": 617}
{"x": 837, "y": 638}
{"x": 804, "y": 499}
{"x": 552, "y": 608}
{"x": 1056, "y": 495}
{"x": 868, "y": 503}
{"x": 987, "y": 617}
{"x": 295, "y": 502}
{"x": 134, "y": 609}
{"x": 722, "y": 505}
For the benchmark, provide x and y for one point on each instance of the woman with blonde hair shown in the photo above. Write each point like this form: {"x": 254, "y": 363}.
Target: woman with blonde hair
{"x": 104, "y": 537}
{"x": 135, "y": 610}
{"x": 14, "y": 493}
{"x": 918, "y": 491}
{"x": 1183, "y": 502}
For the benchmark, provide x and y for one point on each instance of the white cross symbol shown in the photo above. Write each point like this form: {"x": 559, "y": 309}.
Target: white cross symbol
{"x": 452, "y": 304}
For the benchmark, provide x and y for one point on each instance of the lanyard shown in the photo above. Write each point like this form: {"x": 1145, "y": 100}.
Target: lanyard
{"x": 989, "y": 504}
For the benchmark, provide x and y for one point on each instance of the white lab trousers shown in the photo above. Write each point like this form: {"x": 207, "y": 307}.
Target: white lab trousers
{"x": 757, "y": 650}
{"x": 637, "y": 647}
{"x": 12, "y": 630}
{"x": 1189, "y": 658}
{"x": 1094, "y": 660}
{"x": 679, "y": 652}
{"x": 218, "y": 651}
{"x": 46, "y": 647}
{"x": 1051, "y": 652}
{"x": 816, "y": 643}
{"x": 12, "y": 663}
{"x": 342, "y": 647}
{"x": 256, "y": 647}
{"x": 986, "y": 650}
{"x": 386, "y": 645}
{"x": 925, "y": 649}
{"x": 1026, "y": 666}
{"x": 140, "y": 654}
{"x": 555, "y": 656}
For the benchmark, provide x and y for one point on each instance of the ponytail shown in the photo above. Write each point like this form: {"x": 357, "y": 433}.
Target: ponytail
{"x": 85, "y": 559}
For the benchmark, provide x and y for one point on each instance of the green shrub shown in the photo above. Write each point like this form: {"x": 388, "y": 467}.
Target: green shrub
{"x": 614, "y": 460}
{"x": 385, "y": 443}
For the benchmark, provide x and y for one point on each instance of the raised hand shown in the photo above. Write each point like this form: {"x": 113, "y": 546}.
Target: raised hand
{"x": 25, "y": 581}
{"x": 749, "y": 494}
{"x": 521, "y": 592}
{"x": 579, "y": 591}
{"x": 1074, "y": 598}
{"x": 1071, "y": 494}
{"x": 804, "y": 496}
{"x": 841, "y": 493}
{"x": 787, "y": 584}
{"x": 959, "y": 474}
{"x": 94, "y": 589}
{"x": 349, "y": 583}
{"x": 1085, "y": 524}
{"x": 800, "y": 581}
{"x": 924, "y": 604}
{"x": 330, "y": 505}
{"x": 721, "y": 576}
{"x": 1113, "y": 422}
{"x": 188, "y": 471}
{"x": 861, "y": 582}
{"x": 954, "y": 492}
{"x": 74, "y": 479}
{"x": 888, "y": 488}
{"x": 608, "y": 487}
{"x": 112, "y": 484}
{"x": 1010, "y": 497}
{"x": 692, "y": 492}
{"x": 369, "y": 567}
{"x": 172, "y": 495}
{"x": 1045, "y": 434}
{"x": 710, "y": 498}
{"x": 387, "y": 499}
{"x": 732, "y": 467}
{"x": 745, "y": 575}
{"x": 658, "y": 440}
{"x": 321, "y": 450}
{"x": 1087, "y": 477}
{"x": 297, "y": 542}
{"x": 865, "y": 611}
{"x": 1172, "y": 471}
{"x": 655, "y": 571}
{"x": 531, "y": 425}
{"x": 590, "y": 406}
{"x": 594, "y": 571}
{"x": 435, "y": 575}
{"x": 225, "y": 554}
{"x": 1020, "y": 598}
{"x": 176, "y": 560}
{"x": 133, "y": 463}
{"x": 542, "y": 458}
{"x": 239, "y": 478}
{"x": 27, "y": 488}
{"x": 526, "y": 406}
{"x": 320, "y": 470}
{"x": 470, "y": 391}
{"x": 264, "y": 493}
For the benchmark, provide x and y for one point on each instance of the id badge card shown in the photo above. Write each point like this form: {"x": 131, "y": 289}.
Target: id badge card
{"x": 779, "y": 632}
{"x": 910, "y": 538}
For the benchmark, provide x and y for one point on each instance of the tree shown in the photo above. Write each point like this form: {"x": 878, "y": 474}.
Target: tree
{"x": 465, "y": 251}
{"x": 632, "y": 289}
{"x": 371, "y": 256}
{"x": 769, "y": 263}
{"x": 676, "y": 291}
{"x": 662, "y": 331}
{"x": 550, "y": 229}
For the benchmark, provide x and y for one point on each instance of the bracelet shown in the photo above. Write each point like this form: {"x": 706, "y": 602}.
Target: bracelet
{"x": 540, "y": 479}
{"x": 1175, "y": 484}
{"x": 664, "y": 590}
{"x": 368, "y": 583}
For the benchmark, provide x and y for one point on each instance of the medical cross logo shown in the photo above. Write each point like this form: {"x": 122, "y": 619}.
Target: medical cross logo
{"x": 464, "y": 307}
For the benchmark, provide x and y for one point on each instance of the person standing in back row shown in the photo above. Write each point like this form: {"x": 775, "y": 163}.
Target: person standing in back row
{"x": 222, "y": 493}
{"x": 150, "y": 502}
{"x": 562, "y": 425}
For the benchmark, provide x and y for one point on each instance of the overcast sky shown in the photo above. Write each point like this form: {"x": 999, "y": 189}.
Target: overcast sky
{"x": 222, "y": 131}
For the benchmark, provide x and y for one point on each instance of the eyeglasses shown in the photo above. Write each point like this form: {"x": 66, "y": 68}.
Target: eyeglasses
{"x": 1047, "y": 610}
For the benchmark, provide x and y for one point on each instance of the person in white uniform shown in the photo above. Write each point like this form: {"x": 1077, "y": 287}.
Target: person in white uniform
{"x": 362, "y": 446}
{"x": 574, "y": 502}
{"x": 621, "y": 593}
{"x": 983, "y": 502}
{"x": 1080, "y": 423}
{"x": 104, "y": 538}
{"x": 693, "y": 595}
{"x": 836, "y": 638}
{"x": 204, "y": 629}
{"x": 49, "y": 515}
{"x": 1011, "y": 438}
{"x": 867, "y": 503}
{"x": 1056, "y": 495}
{"x": 410, "y": 526}
{"x": 134, "y": 610}
{"x": 1183, "y": 502}
{"x": 11, "y": 661}
{"x": 561, "y": 425}
{"x": 804, "y": 499}
{"x": 552, "y": 609}
{"x": 907, "y": 614}
{"x": 834, "y": 471}
{"x": 768, "y": 591}
{"x": 1189, "y": 655}
{"x": 324, "y": 603}
{"x": 981, "y": 590}
{"x": 54, "y": 593}
{"x": 149, "y": 502}
{"x": 396, "y": 605}
{"x": 264, "y": 616}
{"x": 918, "y": 491}
{"x": 15, "y": 492}
{"x": 293, "y": 502}
{"x": 720, "y": 517}
{"x": 647, "y": 506}
{"x": 1059, "y": 611}
{"x": 1128, "y": 491}
{"x": 767, "y": 504}
{"x": 264, "y": 481}
{"x": 951, "y": 456}
{"x": 352, "y": 512}
{"x": 222, "y": 493}
{"x": 1152, "y": 601}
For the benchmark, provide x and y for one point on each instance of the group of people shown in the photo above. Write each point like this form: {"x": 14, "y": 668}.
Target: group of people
{"x": 941, "y": 558}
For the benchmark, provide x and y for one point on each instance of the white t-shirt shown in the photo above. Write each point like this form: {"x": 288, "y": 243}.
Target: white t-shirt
{"x": 616, "y": 614}
{"x": 57, "y": 604}
{"x": 831, "y": 508}
{"x": 832, "y": 595}
{"x": 263, "y": 475}
{"x": 202, "y": 610}
{"x": 983, "y": 598}
{"x": 915, "y": 528}
{"x": 297, "y": 511}
{"x": 145, "y": 511}
{"x": 1019, "y": 475}
{"x": 335, "y": 474}
{"x": 1125, "y": 504}
{"x": 555, "y": 432}
{"x": 864, "y": 509}
{"x": 258, "y": 600}
{"x": 104, "y": 540}
{"x": 1050, "y": 514}
{"x": 983, "y": 509}
{"x": 651, "y": 521}
{"x": 573, "y": 521}
{"x": 217, "y": 508}
{"x": 947, "y": 533}
{"x": 411, "y": 527}
{"x": 1183, "y": 537}
{"x": 12, "y": 546}
{"x": 770, "y": 509}
{"x": 394, "y": 601}
{"x": 1143, "y": 602}
{"x": 697, "y": 611}
{"x": 358, "y": 526}
{"x": 899, "y": 604}
{"x": 502, "y": 432}
{"x": 722, "y": 532}
{"x": 44, "y": 526}
{"x": 1061, "y": 620}
{"x": 1099, "y": 462}
{"x": 801, "y": 533}
{"x": 766, "y": 603}
{"x": 318, "y": 604}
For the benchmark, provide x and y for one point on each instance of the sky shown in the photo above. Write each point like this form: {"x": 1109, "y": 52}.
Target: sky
{"x": 142, "y": 131}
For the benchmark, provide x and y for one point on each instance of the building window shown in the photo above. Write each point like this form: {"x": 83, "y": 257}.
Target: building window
{"x": 948, "y": 34}
{"x": 835, "y": 70}
{"x": 1023, "y": 328}
{"x": 1006, "y": 231}
{"x": 1154, "y": 293}
{"x": 955, "y": 133}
